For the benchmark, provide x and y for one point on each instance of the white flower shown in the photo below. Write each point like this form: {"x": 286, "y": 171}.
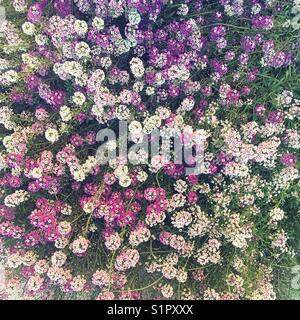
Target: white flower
{"x": 63, "y": 127}
{"x": 4, "y": 64}
{"x": 82, "y": 50}
{"x": 65, "y": 113}
{"x": 121, "y": 171}
{"x": 135, "y": 127}
{"x": 179, "y": 72}
{"x": 34, "y": 283}
{"x": 105, "y": 62}
{"x": 80, "y": 27}
{"x": 90, "y": 163}
{"x": 199, "y": 137}
{"x": 9, "y": 77}
{"x": 73, "y": 68}
{"x": 97, "y": 110}
{"x": 134, "y": 17}
{"x": 151, "y": 123}
{"x": 15, "y": 199}
{"x": 97, "y": 77}
{"x": 81, "y": 80}
{"x": 157, "y": 162}
{"x": 137, "y": 67}
{"x": 41, "y": 39}
{"x": 98, "y": 23}
{"x": 58, "y": 258}
{"x": 276, "y": 215}
{"x": 150, "y": 91}
{"x": 28, "y": 28}
{"x": 36, "y": 173}
{"x": 183, "y": 10}
{"x": 88, "y": 207}
{"x": 163, "y": 112}
{"x": 30, "y": 60}
{"x": 180, "y": 186}
{"x": 79, "y": 98}
{"x": 51, "y": 135}
{"x": 125, "y": 181}
{"x": 78, "y": 175}
{"x": 138, "y": 86}
{"x": 66, "y": 210}
{"x": 122, "y": 112}
{"x": 19, "y": 6}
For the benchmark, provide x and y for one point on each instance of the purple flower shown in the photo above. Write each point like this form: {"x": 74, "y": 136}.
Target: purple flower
{"x": 289, "y": 159}
{"x": 248, "y": 44}
{"x": 57, "y": 99}
{"x": 192, "y": 197}
{"x": 62, "y": 7}
{"x": 275, "y": 117}
{"x": 229, "y": 56}
{"x": 32, "y": 82}
{"x": 233, "y": 96}
{"x": 35, "y": 11}
{"x": 262, "y": 22}
{"x": 260, "y": 110}
{"x": 217, "y": 32}
{"x": 213, "y": 168}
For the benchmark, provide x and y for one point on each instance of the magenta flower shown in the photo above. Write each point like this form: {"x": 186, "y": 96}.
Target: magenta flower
{"x": 289, "y": 159}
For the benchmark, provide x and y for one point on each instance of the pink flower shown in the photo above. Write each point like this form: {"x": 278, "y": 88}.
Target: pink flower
{"x": 192, "y": 197}
{"x": 289, "y": 159}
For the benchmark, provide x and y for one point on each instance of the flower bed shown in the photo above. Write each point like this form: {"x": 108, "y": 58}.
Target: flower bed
{"x": 79, "y": 219}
